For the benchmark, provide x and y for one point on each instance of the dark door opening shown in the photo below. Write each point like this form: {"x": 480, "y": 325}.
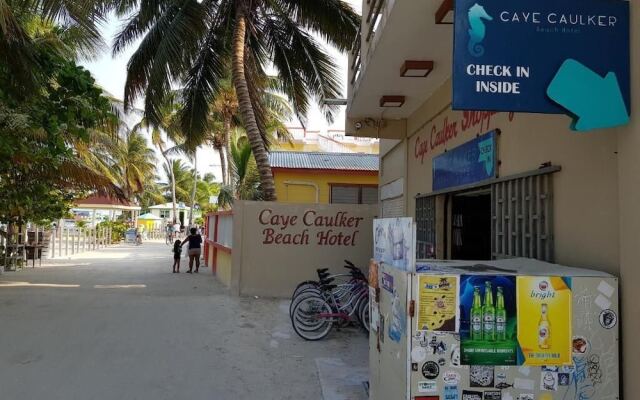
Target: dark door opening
{"x": 471, "y": 226}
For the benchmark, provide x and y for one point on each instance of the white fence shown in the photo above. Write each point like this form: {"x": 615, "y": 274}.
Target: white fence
{"x": 69, "y": 241}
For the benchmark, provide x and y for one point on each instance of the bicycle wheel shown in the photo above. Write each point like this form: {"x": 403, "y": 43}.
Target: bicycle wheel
{"x": 307, "y": 319}
{"x": 302, "y": 297}
{"x": 302, "y": 294}
{"x": 364, "y": 313}
{"x": 304, "y": 285}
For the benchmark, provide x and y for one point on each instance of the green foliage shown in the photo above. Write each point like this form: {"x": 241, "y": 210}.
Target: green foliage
{"x": 40, "y": 172}
{"x": 118, "y": 228}
{"x": 192, "y": 42}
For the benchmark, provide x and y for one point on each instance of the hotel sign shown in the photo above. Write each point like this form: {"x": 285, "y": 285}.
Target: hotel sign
{"x": 544, "y": 56}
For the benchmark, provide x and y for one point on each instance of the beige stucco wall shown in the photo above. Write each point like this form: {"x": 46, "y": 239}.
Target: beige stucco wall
{"x": 629, "y": 203}
{"x": 585, "y": 190}
{"x": 271, "y": 269}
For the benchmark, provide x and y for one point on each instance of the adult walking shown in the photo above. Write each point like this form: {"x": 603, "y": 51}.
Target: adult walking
{"x": 195, "y": 246}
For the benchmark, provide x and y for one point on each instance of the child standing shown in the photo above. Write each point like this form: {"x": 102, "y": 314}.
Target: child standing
{"x": 177, "y": 250}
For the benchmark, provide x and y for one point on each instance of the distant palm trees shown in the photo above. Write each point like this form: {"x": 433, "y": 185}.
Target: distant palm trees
{"x": 199, "y": 42}
{"x": 134, "y": 164}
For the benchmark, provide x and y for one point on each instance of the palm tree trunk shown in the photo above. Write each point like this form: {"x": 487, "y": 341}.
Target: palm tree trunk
{"x": 246, "y": 108}
{"x": 223, "y": 165}
{"x": 226, "y": 145}
{"x": 195, "y": 186}
{"x": 173, "y": 184}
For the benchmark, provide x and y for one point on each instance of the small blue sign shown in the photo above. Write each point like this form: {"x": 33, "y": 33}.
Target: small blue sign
{"x": 544, "y": 56}
{"x": 474, "y": 161}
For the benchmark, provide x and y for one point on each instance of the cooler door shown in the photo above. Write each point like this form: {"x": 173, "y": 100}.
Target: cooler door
{"x": 391, "y": 341}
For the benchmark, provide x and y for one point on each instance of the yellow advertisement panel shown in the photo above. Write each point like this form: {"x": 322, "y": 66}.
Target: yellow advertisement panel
{"x": 544, "y": 319}
{"x": 438, "y": 303}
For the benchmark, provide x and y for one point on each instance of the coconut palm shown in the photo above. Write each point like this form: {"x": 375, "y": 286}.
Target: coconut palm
{"x": 196, "y": 42}
{"x": 224, "y": 117}
{"x": 31, "y": 28}
{"x": 134, "y": 163}
{"x": 165, "y": 126}
{"x": 183, "y": 180}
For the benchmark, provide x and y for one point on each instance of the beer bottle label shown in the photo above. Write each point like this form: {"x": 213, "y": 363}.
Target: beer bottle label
{"x": 542, "y": 333}
{"x": 476, "y": 324}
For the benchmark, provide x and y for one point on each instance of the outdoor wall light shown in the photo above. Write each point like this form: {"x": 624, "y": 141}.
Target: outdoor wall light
{"x": 444, "y": 14}
{"x": 391, "y": 101}
{"x": 416, "y": 69}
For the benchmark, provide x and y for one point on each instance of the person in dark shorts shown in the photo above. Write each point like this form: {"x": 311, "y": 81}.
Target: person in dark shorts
{"x": 195, "y": 248}
{"x": 177, "y": 251}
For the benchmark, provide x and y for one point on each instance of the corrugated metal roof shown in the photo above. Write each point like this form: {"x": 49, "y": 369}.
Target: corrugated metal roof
{"x": 319, "y": 160}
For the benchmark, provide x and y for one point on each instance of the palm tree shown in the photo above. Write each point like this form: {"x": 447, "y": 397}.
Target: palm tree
{"x": 183, "y": 180}
{"x": 195, "y": 186}
{"x": 247, "y": 184}
{"x": 30, "y": 28}
{"x": 134, "y": 164}
{"x": 165, "y": 125}
{"x": 191, "y": 42}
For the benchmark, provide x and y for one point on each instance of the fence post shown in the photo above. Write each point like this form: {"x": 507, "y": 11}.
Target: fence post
{"x": 59, "y": 233}
{"x": 53, "y": 244}
{"x": 73, "y": 243}
{"x": 66, "y": 242}
{"x": 94, "y": 235}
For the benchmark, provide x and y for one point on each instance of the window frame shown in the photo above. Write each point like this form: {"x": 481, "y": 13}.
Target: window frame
{"x": 351, "y": 185}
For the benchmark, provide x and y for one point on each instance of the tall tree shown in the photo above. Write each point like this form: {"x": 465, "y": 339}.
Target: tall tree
{"x": 196, "y": 42}
{"x": 165, "y": 126}
{"x": 68, "y": 29}
{"x": 134, "y": 163}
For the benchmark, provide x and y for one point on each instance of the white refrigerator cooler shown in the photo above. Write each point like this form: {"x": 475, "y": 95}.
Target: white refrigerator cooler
{"x": 515, "y": 329}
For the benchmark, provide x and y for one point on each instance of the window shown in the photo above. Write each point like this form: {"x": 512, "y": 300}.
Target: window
{"x": 165, "y": 213}
{"x": 522, "y": 218}
{"x": 354, "y": 194}
{"x": 426, "y": 227}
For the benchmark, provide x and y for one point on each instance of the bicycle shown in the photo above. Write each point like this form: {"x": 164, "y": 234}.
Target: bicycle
{"x": 320, "y": 305}
{"x": 325, "y": 277}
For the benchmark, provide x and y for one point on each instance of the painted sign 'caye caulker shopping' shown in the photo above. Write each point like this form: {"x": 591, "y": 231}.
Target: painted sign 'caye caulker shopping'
{"x": 544, "y": 56}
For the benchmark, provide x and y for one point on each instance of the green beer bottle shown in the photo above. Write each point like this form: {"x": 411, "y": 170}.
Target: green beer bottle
{"x": 488, "y": 314}
{"x": 501, "y": 317}
{"x": 476, "y": 315}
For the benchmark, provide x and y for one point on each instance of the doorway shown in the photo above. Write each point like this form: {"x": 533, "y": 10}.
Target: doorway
{"x": 471, "y": 225}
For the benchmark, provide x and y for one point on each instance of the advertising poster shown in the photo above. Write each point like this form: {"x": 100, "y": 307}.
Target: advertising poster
{"x": 438, "y": 303}
{"x": 488, "y": 320}
{"x": 544, "y": 320}
{"x": 394, "y": 242}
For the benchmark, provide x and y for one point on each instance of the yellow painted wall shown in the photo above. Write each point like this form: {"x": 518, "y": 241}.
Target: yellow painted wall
{"x": 223, "y": 267}
{"x": 290, "y": 187}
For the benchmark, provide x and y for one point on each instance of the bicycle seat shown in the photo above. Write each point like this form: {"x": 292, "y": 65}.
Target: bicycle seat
{"x": 349, "y": 263}
{"x": 322, "y": 270}
{"x": 323, "y": 275}
{"x": 326, "y": 281}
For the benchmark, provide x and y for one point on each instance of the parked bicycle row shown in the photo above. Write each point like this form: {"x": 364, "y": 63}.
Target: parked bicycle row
{"x": 334, "y": 299}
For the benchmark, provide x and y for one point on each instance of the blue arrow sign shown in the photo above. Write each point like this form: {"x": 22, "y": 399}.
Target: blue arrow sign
{"x": 595, "y": 101}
